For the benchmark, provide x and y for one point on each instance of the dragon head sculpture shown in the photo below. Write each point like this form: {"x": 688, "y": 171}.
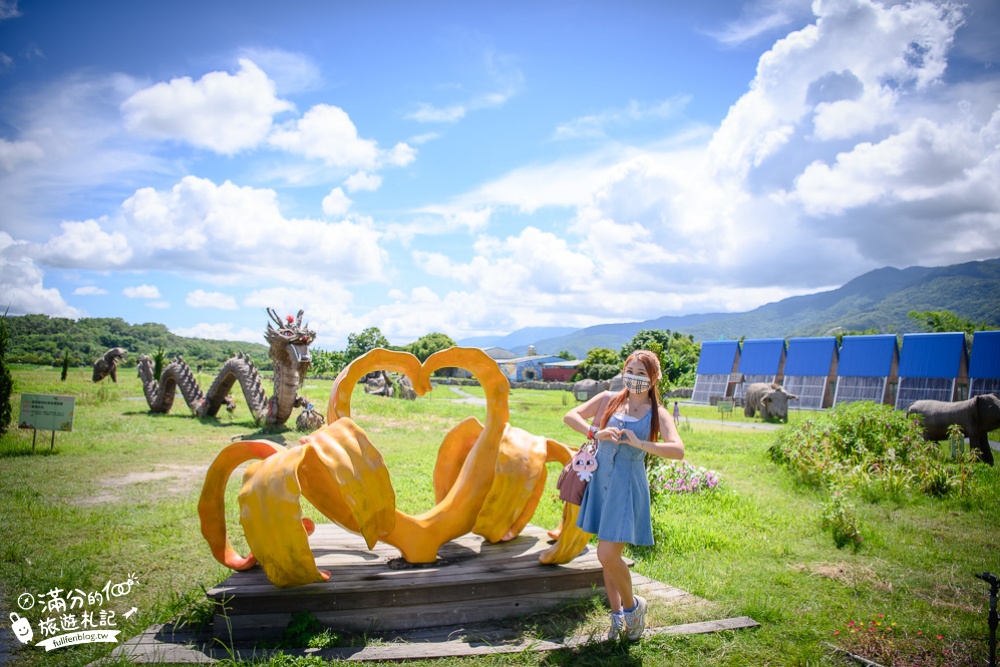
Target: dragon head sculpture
{"x": 289, "y": 342}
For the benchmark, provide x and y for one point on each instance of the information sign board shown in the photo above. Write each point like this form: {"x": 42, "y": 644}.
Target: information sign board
{"x": 43, "y": 412}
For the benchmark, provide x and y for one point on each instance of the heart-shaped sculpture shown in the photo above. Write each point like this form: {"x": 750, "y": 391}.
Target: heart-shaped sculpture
{"x": 488, "y": 479}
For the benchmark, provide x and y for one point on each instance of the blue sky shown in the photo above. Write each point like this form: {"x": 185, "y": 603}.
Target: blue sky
{"x": 474, "y": 168}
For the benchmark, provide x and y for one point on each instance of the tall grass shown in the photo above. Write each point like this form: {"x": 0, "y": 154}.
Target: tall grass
{"x": 118, "y": 495}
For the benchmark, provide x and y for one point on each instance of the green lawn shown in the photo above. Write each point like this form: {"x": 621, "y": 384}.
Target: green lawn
{"x": 118, "y": 496}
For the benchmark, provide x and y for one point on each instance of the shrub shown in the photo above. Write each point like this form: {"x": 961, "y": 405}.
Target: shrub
{"x": 871, "y": 447}
{"x": 840, "y": 518}
{"x": 6, "y": 381}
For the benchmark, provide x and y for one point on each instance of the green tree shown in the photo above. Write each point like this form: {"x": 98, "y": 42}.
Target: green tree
{"x": 427, "y": 345}
{"x": 364, "y": 342}
{"x": 65, "y": 366}
{"x": 6, "y": 381}
{"x": 678, "y": 354}
{"x": 566, "y": 354}
{"x": 943, "y": 321}
{"x": 326, "y": 363}
{"x": 159, "y": 357}
{"x": 601, "y": 364}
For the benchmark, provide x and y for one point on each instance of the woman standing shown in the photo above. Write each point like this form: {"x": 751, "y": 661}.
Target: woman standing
{"x": 615, "y": 504}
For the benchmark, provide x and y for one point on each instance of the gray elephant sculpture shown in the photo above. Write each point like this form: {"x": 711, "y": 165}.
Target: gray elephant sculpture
{"x": 976, "y": 417}
{"x": 768, "y": 398}
{"x": 108, "y": 364}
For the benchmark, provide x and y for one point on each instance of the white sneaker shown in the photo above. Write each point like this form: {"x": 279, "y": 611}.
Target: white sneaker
{"x": 617, "y": 627}
{"x": 635, "y": 620}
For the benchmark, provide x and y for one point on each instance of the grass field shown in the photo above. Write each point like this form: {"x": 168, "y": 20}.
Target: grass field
{"x": 118, "y": 495}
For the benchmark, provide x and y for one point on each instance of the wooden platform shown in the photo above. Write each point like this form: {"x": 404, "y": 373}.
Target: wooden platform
{"x": 454, "y": 607}
{"x": 376, "y": 591}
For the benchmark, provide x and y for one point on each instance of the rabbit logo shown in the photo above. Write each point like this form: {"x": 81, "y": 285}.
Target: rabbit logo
{"x": 584, "y": 464}
{"x": 21, "y": 628}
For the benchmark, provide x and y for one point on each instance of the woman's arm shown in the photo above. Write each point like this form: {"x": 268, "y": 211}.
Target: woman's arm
{"x": 579, "y": 418}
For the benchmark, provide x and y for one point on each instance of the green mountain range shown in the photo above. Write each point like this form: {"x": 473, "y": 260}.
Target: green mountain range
{"x": 880, "y": 300}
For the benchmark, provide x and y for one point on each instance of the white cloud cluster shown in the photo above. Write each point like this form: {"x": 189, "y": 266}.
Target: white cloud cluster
{"x": 23, "y": 286}
{"x": 223, "y": 112}
{"x": 218, "y": 230}
{"x": 848, "y": 152}
{"x": 202, "y": 299}
{"x": 595, "y": 125}
{"x": 13, "y": 153}
{"x": 229, "y": 113}
{"x": 142, "y": 292}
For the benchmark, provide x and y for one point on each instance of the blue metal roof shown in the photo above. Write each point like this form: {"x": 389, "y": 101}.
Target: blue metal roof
{"x": 932, "y": 355}
{"x": 985, "y": 362}
{"x": 867, "y": 356}
{"x": 717, "y": 357}
{"x": 762, "y": 356}
{"x": 810, "y": 356}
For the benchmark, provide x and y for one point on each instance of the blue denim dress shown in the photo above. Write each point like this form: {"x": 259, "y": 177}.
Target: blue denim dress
{"x": 615, "y": 504}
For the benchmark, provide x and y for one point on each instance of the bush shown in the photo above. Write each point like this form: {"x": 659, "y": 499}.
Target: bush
{"x": 871, "y": 447}
{"x": 840, "y": 518}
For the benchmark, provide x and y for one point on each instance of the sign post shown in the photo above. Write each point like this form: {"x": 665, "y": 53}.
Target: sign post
{"x": 725, "y": 407}
{"x": 46, "y": 413}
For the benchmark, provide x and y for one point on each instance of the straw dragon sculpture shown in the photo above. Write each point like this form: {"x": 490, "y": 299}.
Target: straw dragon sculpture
{"x": 290, "y": 352}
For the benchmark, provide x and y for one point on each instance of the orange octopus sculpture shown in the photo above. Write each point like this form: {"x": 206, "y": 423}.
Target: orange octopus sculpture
{"x": 488, "y": 479}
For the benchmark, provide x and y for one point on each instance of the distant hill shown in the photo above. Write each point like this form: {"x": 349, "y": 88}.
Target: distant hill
{"x": 521, "y": 338}
{"x": 879, "y": 299}
{"x": 39, "y": 339}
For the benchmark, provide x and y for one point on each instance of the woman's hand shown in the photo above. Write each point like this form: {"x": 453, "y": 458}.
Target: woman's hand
{"x": 629, "y": 437}
{"x": 609, "y": 433}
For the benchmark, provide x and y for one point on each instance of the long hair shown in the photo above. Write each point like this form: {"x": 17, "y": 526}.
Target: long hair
{"x": 651, "y": 363}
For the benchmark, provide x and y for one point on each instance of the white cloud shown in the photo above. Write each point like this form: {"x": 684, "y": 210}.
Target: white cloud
{"x": 291, "y": 72}
{"x": 9, "y": 10}
{"x": 327, "y": 305}
{"x": 218, "y": 331}
{"x": 86, "y": 245}
{"x": 223, "y": 112}
{"x": 336, "y": 204}
{"x": 845, "y": 117}
{"x": 363, "y": 181}
{"x": 428, "y": 113}
{"x": 223, "y": 232}
{"x": 595, "y": 125}
{"x": 13, "y": 153}
{"x": 89, "y": 290}
{"x": 23, "y": 289}
{"x": 142, "y": 292}
{"x": 401, "y": 155}
{"x": 326, "y": 132}
{"x": 501, "y": 80}
{"x": 759, "y": 18}
{"x": 201, "y": 299}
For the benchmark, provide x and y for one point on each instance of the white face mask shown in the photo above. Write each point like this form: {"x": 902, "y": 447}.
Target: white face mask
{"x": 636, "y": 384}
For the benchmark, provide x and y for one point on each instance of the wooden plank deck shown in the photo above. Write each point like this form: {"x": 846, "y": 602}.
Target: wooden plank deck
{"x": 376, "y": 591}
{"x": 454, "y": 607}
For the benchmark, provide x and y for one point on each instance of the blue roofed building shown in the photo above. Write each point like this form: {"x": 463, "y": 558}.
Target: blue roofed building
{"x": 716, "y": 364}
{"x": 984, "y": 364}
{"x": 867, "y": 369}
{"x": 761, "y": 360}
{"x": 526, "y": 369}
{"x": 811, "y": 372}
{"x": 932, "y": 366}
